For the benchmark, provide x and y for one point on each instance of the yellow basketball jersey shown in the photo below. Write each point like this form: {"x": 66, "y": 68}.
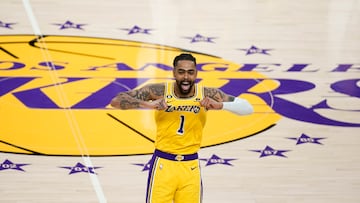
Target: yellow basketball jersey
{"x": 180, "y": 126}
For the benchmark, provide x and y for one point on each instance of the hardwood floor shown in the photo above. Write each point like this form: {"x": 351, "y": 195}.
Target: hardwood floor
{"x": 297, "y": 62}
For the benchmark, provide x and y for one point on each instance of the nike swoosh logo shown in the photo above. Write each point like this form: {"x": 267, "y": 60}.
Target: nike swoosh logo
{"x": 193, "y": 168}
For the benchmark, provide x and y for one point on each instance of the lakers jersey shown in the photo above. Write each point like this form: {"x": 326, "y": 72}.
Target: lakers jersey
{"x": 180, "y": 125}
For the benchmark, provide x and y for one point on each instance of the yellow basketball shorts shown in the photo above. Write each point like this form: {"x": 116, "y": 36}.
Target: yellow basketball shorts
{"x": 174, "y": 178}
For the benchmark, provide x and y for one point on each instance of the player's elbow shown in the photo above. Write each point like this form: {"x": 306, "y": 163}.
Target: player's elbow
{"x": 115, "y": 103}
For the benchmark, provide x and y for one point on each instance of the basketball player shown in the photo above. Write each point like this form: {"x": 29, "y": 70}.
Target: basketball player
{"x": 181, "y": 107}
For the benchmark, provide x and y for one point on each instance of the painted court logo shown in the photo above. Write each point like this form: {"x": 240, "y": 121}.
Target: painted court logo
{"x": 9, "y": 165}
{"x": 55, "y": 91}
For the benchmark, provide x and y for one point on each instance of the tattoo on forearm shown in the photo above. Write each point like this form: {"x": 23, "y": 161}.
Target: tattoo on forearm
{"x": 214, "y": 94}
{"x": 231, "y": 98}
{"x": 218, "y": 95}
{"x": 126, "y": 101}
{"x": 133, "y": 99}
{"x": 129, "y": 105}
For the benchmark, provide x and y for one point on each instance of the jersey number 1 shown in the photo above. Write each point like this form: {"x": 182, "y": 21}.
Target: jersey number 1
{"x": 180, "y": 131}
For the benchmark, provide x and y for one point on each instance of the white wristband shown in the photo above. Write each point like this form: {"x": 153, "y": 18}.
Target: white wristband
{"x": 238, "y": 106}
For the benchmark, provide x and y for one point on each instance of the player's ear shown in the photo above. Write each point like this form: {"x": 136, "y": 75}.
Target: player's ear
{"x": 174, "y": 69}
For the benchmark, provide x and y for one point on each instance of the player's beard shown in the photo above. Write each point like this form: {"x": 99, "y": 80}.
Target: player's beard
{"x": 185, "y": 87}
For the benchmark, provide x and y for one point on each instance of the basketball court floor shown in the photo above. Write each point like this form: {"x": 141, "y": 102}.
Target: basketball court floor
{"x": 297, "y": 62}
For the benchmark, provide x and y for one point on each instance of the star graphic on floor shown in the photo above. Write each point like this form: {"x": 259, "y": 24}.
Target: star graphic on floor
{"x": 306, "y": 139}
{"x": 9, "y": 165}
{"x": 145, "y": 167}
{"x": 214, "y": 159}
{"x": 68, "y": 24}
{"x": 200, "y": 38}
{"x": 6, "y": 25}
{"x": 255, "y": 50}
{"x": 136, "y": 29}
{"x": 79, "y": 167}
{"x": 269, "y": 151}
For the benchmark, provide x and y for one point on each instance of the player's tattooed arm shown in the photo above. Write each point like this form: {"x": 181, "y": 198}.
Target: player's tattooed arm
{"x": 138, "y": 98}
{"x": 218, "y": 95}
{"x": 216, "y": 99}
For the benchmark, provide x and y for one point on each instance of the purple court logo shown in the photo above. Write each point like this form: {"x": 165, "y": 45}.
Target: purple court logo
{"x": 6, "y": 25}
{"x": 145, "y": 167}
{"x": 269, "y": 151}
{"x": 306, "y": 139}
{"x": 136, "y": 29}
{"x": 214, "y": 159}
{"x": 200, "y": 38}
{"x": 80, "y": 168}
{"x": 255, "y": 50}
{"x": 9, "y": 165}
{"x": 69, "y": 25}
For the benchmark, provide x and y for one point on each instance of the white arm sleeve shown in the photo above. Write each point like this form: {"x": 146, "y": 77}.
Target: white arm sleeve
{"x": 238, "y": 106}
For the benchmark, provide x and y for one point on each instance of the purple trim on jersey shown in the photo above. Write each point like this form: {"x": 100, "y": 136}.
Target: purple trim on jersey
{"x": 151, "y": 175}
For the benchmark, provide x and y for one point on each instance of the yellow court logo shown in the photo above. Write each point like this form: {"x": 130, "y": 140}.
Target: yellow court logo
{"x": 55, "y": 91}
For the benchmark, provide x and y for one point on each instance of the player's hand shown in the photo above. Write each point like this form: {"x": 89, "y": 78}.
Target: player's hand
{"x": 158, "y": 104}
{"x": 209, "y": 103}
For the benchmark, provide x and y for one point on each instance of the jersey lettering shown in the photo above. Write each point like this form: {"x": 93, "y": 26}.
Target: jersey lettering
{"x": 188, "y": 108}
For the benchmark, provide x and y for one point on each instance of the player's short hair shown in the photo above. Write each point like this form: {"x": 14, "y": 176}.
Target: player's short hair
{"x": 184, "y": 56}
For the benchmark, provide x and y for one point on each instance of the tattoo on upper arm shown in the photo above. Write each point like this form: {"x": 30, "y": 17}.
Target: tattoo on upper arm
{"x": 142, "y": 94}
{"x": 157, "y": 89}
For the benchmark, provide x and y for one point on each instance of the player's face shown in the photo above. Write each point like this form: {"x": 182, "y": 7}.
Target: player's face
{"x": 185, "y": 74}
